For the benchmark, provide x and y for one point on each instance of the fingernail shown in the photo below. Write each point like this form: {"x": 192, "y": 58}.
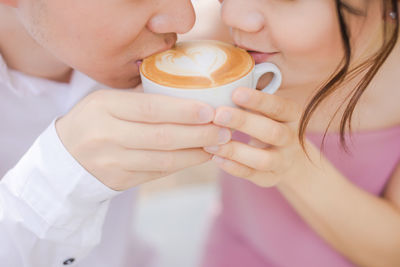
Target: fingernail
{"x": 224, "y": 136}
{"x": 211, "y": 149}
{"x": 241, "y": 96}
{"x": 206, "y": 114}
{"x": 218, "y": 160}
{"x": 223, "y": 117}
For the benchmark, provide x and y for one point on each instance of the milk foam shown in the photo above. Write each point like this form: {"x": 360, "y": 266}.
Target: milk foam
{"x": 197, "y": 64}
{"x": 202, "y": 60}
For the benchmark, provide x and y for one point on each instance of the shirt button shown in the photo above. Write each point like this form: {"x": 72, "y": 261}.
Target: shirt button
{"x": 69, "y": 261}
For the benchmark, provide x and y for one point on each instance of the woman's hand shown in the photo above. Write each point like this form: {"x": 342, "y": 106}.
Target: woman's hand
{"x": 125, "y": 138}
{"x": 274, "y": 151}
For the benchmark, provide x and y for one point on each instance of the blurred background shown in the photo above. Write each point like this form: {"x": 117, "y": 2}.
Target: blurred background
{"x": 175, "y": 213}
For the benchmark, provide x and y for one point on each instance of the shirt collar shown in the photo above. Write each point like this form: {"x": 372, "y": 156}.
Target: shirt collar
{"x": 4, "y": 73}
{"x": 23, "y": 84}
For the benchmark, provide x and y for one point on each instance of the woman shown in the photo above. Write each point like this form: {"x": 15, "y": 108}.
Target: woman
{"x": 296, "y": 206}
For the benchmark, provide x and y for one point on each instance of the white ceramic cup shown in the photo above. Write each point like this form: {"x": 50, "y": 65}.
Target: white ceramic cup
{"x": 221, "y": 95}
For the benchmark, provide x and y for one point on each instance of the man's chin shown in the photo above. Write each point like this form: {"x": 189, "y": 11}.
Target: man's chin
{"x": 121, "y": 83}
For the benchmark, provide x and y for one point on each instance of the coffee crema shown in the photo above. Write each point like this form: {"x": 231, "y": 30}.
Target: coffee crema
{"x": 198, "y": 64}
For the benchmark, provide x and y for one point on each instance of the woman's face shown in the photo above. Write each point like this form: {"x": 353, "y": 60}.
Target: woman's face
{"x": 302, "y": 37}
{"x": 103, "y": 38}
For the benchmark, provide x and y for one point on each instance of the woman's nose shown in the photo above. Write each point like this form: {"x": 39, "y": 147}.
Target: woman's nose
{"x": 241, "y": 15}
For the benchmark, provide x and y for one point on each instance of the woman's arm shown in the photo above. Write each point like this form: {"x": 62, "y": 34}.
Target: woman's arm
{"x": 392, "y": 192}
{"x": 361, "y": 226}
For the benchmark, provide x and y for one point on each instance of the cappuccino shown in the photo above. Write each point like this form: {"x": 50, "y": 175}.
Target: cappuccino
{"x": 198, "y": 64}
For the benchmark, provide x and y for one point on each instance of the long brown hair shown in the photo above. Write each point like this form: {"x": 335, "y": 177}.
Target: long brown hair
{"x": 370, "y": 67}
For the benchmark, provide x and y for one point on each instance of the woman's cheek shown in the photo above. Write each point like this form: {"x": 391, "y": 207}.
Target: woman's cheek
{"x": 308, "y": 55}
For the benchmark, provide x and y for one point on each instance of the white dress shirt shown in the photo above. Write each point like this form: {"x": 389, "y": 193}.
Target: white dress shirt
{"x": 52, "y": 211}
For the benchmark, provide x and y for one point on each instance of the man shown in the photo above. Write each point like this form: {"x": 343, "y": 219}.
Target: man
{"x": 69, "y": 147}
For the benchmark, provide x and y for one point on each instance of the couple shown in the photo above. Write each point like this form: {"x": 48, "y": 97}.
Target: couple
{"x": 72, "y": 151}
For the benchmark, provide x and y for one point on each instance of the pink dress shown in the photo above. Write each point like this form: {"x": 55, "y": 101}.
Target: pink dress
{"x": 258, "y": 228}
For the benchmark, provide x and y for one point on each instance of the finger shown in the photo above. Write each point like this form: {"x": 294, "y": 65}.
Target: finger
{"x": 272, "y": 106}
{"x": 255, "y": 125}
{"x": 252, "y": 157}
{"x": 257, "y": 143}
{"x": 162, "y": 161}
{"x": 167, "y": 136}
{"x": 140, "y": 107}
{"x": 239, "y": 170}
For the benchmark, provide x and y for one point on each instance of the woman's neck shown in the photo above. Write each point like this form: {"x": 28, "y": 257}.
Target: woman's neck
{"x": 377, "y": 108}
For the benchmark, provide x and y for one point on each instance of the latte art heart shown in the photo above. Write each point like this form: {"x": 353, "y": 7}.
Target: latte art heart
{"x": 198, "y": 64}
{"x": 201, "y": 61}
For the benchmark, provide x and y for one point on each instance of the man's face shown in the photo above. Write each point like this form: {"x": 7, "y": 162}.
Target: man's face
{"x": 105, "y": 39}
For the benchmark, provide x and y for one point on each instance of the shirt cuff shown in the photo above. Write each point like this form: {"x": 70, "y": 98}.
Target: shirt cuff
{"x": 55, "y": 185}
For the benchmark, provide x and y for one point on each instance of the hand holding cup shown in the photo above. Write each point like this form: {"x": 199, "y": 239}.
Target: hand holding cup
{"x": 125, "y": 138}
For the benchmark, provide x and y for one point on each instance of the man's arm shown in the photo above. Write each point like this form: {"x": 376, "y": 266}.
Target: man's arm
{"x": 52, "y": 209}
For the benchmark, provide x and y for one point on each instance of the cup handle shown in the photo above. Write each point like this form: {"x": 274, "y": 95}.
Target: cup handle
{"x": 261, "y": 69}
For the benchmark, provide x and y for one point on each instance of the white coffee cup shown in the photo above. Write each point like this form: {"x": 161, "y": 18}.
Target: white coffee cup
{"x": 221, "y": 95}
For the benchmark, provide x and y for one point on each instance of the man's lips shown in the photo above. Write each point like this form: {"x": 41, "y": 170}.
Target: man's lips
{"x": 260, "y": 57}
{"x": 165, "y": 48}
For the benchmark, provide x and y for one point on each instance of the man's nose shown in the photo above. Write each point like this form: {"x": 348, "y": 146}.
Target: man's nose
{"x": 173, "y": 16}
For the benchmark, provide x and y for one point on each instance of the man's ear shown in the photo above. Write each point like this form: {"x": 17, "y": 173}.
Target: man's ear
{"x": 12, "y": 3}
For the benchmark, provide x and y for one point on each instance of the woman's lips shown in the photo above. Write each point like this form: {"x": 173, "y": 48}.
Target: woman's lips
{"x": 260, "y": 57}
